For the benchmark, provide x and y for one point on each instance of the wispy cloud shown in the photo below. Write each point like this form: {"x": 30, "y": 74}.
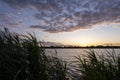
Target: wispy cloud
{"x": 48, "y": 44}
{"x": 69, "y": 15}
{"x": 6, "y": 20}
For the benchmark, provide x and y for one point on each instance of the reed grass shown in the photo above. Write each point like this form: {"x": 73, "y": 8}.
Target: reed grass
{"x": 23, "y": 58}
{"x": 99, "y": 67}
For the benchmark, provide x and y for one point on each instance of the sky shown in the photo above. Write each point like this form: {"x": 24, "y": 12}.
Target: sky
{"x": 67, "y": 22}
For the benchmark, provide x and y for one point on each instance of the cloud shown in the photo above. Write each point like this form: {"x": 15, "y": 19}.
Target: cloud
{"x": 69, "y": 15}
{"x": 48, "y": 44}
{"x": 6, "y": 20}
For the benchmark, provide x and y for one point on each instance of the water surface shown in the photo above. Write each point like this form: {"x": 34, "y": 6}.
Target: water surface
{"x": 69, "y": 54}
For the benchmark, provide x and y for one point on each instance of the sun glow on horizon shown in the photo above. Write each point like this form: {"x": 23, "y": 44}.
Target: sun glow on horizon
{"x": 68, "y": 23}
{"x": 95, "y": 44}
{"x": 86, "y": 44}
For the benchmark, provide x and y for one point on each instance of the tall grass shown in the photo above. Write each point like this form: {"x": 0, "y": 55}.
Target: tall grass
{"x": 99, "y": 67}
{"x": 23, "y": 58}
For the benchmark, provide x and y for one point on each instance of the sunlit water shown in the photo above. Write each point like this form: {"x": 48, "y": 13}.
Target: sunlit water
{"x": 69, "y": 55}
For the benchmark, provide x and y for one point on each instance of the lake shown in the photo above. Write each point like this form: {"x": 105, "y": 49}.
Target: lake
{"x": 69, "y": 54}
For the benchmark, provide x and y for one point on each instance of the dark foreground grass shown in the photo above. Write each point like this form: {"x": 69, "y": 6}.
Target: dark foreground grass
{"x": 23, "y": 58}
{"x": 100, "y": 67}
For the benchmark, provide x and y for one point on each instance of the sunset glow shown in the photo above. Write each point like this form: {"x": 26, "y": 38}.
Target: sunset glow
{"x": 64, "y": 22}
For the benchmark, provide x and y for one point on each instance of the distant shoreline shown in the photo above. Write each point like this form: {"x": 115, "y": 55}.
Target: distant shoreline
{"x": 103, "y": 47}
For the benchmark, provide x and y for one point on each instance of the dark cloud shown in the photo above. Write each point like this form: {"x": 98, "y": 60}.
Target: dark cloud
{"x": 69, "y": 15}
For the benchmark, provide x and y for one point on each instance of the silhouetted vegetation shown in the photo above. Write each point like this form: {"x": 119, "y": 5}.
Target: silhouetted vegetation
{"x": 100, "y": 67}
{"x": 23, "y": 58}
